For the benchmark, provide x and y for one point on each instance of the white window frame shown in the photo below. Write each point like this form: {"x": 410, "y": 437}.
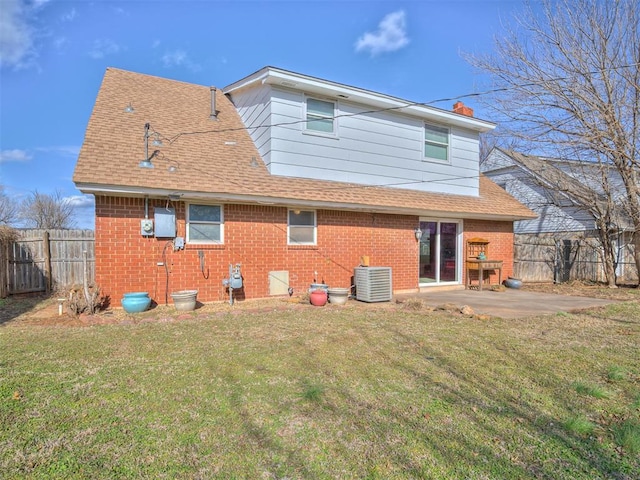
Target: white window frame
{"x": 459, "y": 246}
{"x": 315, "y": 226}
{"x": 205, "y": 222}
{"x": 426, "y": 142}
{"x": 308, "y": 128}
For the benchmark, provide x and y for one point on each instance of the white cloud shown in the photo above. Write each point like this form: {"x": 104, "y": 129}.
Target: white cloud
{"x": 174, "y": 59}
{"x": 179, "y": 58}
{"x": 103, "y": 47}
{"x": 64, "y": 150}
{"x": 83, "y": 210}
{"x": 81, "y": 201}
{"x": 390, "y": 36}
{"x": 69, "y": 16}
{"x": 16, "y": 34}
{"x": 59, "y": 43}
{"x": 14, "y": 156}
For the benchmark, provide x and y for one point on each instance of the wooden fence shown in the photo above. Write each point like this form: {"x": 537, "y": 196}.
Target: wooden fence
{"x": 549, "y": 258}
{"x": 47, "y": 260}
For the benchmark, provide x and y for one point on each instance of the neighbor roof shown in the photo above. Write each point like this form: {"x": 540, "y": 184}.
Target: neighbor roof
{"x": 215, "y": 159}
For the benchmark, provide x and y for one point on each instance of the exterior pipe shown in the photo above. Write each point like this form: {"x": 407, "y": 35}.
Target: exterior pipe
{"x": 214, "y": 112}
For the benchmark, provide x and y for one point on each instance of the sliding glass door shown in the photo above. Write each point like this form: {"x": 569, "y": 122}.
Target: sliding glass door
{"x": 439, "y": 252}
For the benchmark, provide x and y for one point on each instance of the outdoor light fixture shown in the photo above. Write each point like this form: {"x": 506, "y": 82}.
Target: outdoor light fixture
{"x": 418, "y": 233}
{"x": 146, "y": 163}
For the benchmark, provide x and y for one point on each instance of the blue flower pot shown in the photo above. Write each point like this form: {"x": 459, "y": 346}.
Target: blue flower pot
{"x": 135, "y": 295}
{"x": 512, "y": 283}
{"x": 135, "y": 302}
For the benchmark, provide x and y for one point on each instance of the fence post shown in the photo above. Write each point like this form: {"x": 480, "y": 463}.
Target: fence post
{"x": 47, "y": 260}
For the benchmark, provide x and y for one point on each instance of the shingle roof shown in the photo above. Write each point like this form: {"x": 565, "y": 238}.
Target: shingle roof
{"x": 217, "y": 159}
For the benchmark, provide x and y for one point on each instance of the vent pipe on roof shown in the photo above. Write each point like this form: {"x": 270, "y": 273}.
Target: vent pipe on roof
{"x": 214, "y": 112}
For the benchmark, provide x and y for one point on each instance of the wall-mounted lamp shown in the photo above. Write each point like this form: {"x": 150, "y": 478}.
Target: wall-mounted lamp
{"x": 418, "y": 233}
{"x": 146, "y": 163}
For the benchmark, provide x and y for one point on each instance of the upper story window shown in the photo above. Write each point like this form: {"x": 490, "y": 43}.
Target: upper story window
{"x": 301, "y": 227}
{"x": 436, "y": 143}
{"x": 320, "y": 116}
{"x": 204, "y": 223}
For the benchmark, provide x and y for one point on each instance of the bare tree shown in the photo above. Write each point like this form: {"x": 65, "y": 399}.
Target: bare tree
{"x": 40, "y": 210}
{"x": 567, "y": 83}
{"x": 8, "y": 209}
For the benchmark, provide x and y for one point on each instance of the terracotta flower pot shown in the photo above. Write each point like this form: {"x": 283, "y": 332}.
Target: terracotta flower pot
{"x": 318, "y": 297}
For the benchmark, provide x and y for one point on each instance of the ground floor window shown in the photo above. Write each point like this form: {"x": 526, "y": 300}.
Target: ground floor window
{"x": 440, "y": 247}
{"x": 204, "y": 223}
{"x": 302, "y": 227}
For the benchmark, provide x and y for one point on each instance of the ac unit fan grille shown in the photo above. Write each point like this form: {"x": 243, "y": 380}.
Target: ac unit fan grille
{"x": 373, "y": 284}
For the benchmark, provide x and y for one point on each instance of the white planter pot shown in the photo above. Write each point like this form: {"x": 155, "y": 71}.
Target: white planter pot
{"x": 185, "y": 299}
{"x": 339, "y": 296}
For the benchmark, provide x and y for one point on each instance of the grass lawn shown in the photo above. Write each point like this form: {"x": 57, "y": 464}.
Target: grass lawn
{"x": 325, "y": 393}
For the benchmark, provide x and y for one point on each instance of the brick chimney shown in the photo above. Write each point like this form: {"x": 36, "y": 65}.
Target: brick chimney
{"x": 462, "y": 109}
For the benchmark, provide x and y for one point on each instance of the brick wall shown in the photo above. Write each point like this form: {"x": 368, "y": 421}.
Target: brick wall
{"x": 256, "y": 237}
{"x": 500, "y": 236}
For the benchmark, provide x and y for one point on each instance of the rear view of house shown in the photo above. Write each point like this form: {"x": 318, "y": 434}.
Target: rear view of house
{"x": 290, "y": 178}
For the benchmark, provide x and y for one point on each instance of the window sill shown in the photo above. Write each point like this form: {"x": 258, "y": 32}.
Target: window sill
{"x": 330, "y": 136}
{"x": 302, "y": 247}
{"x": 436, "y": 160}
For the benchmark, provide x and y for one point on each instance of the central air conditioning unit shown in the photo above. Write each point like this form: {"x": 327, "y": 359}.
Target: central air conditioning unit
{"x": 373, "y": 284}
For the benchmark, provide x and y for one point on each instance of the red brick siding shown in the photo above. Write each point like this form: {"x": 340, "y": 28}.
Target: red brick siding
{"x": 500, "y": 236}
{"x": 256, "y": 237}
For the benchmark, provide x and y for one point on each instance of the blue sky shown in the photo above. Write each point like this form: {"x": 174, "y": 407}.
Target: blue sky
{"x": 53, "y": 55}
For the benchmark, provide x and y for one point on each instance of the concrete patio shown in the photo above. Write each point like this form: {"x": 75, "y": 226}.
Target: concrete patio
{"x": 509, "y": 303}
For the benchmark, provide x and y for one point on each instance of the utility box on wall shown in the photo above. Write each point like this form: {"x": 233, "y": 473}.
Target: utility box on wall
{"x": 165, "y": 220}
{"x": 146, "y": 227}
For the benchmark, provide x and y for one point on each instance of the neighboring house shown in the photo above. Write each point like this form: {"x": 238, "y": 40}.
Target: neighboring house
{"x": 293, "y": 177}
{"x": 562, "y": 243}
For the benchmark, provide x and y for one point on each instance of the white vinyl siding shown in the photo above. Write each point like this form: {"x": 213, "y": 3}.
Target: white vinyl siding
{"x": 204, "y": 224}
{"x": 436, "y": 143}
{"x": 320, "y": 116}
{"x": 372, "y": 148}
{"x": 301, "y": 227}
